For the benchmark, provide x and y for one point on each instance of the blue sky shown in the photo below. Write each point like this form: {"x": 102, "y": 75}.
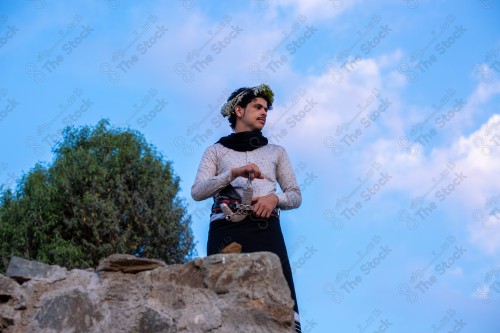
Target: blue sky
{"x": 388, "y": 111}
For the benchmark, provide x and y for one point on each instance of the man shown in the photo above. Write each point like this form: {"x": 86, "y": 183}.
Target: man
{"x": 225, "y": 171}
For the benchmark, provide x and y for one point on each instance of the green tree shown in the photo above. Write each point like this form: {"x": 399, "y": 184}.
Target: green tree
{"x": 107, "y": 191}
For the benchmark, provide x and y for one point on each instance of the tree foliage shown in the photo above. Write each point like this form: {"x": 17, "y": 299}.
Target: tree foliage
{"x": 107, "y": 191}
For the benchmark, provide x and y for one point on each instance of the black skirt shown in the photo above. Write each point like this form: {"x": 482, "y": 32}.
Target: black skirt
{"x": 254, "y": 235}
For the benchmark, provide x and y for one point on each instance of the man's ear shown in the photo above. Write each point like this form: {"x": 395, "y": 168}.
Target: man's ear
{"x": 239, "y": 111}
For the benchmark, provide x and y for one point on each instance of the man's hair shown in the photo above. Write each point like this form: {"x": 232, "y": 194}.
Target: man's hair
{"x": 249, "y": 96}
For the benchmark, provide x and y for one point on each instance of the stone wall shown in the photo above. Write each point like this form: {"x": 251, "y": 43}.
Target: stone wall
{"x": 219, "y": 293}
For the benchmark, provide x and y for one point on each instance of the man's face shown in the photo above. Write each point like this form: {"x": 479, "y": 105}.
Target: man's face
{"x": 253, "y": 117}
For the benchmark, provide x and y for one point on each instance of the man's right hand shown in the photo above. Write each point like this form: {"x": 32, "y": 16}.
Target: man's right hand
{"x": 251, "y": 170}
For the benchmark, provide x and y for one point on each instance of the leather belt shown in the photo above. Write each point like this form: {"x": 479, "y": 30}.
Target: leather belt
{"x": 216, "y": 209}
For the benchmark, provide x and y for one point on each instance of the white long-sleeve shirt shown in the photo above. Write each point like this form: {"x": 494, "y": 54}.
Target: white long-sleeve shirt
{"x": 214, "y": 173}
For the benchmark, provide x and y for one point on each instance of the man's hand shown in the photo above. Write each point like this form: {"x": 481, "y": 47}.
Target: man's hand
{"x": 263, "y": 206}
{"x": 251, "y": 170}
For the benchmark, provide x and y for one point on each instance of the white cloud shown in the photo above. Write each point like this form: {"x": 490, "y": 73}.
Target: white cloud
{"x": 315, "y": 9}
{"x": 474, "y": 107}
{"x": 456, "y": 272}
{"x": 419, "y": 172}
{"x": 486, "y": 234}
{"x": 476, "y": 161}
{"x": 338, "y": 92}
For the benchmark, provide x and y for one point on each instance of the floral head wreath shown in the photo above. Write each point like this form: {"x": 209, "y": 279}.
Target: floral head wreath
{"x": 263, "y": 90}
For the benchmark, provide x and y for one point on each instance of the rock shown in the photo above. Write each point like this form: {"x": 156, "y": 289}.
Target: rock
{"x": 8, "y": 288}
{"x": 256, "y": 280}
{"x": 5, "y": 323}
{"x": 12, "y": 299}
{"x": 152, "y": 321}
{"x": 20, "y": 306}
{"x": 128, "y": 264}
{"x": 73, "y": 310}
{"x": 23, "y": 270}
{"x": 236, "y": 292}
{"x": 232, "y": 248}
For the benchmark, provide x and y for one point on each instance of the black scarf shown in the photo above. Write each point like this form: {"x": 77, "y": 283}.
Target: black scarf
{"x": 243, "y": 141}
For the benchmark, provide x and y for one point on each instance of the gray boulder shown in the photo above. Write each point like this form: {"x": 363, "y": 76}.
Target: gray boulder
{"x": 236, "y": 292}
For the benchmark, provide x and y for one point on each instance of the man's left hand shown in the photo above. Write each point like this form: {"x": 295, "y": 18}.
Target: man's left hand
{"x": 263, "y": 206}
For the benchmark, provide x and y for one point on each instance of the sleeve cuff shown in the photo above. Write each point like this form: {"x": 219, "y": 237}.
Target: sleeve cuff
{"x": 281, "y": 199}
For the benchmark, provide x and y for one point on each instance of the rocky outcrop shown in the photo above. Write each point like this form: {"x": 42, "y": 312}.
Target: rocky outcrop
{"x": 220, "y": 293}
